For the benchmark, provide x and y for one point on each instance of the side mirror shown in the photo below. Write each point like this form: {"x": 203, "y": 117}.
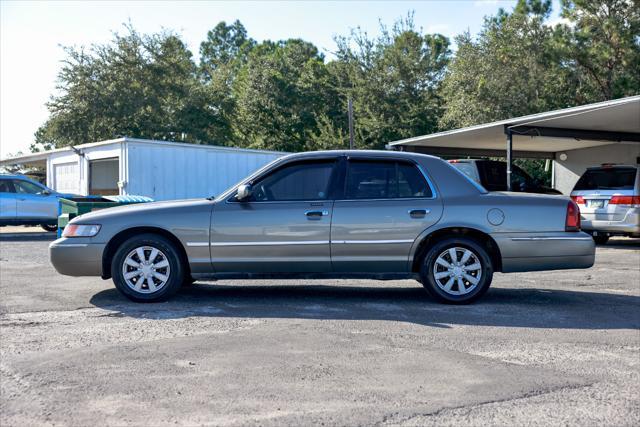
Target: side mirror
{"x": 243, "y": 192}
{"x": 45, "y": 192}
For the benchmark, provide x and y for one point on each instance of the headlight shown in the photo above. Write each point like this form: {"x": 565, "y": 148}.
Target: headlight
{"x": 80, "y": 230}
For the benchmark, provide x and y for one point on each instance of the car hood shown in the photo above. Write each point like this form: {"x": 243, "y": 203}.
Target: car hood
{"x": 140, "y": 209}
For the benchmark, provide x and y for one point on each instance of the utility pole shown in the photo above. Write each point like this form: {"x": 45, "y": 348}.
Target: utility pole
{"x": 509, "y": 155}
{"x": 350, "y": 112}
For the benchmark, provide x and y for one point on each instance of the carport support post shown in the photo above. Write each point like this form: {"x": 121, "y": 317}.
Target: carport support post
{"x": 509, "y": 155}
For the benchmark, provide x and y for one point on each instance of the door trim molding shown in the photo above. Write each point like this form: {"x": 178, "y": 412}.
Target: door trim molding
{"x": 282, "y": 243}
{"x": 374, "y": 242}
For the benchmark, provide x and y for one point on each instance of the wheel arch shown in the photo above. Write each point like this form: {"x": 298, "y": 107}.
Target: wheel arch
{"x": 481, "y": 237}
{"x": 115, "y": 242}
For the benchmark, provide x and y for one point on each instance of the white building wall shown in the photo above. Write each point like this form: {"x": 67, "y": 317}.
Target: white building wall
{"x": 168, "y": 171}
{"x": 566, "y": 173}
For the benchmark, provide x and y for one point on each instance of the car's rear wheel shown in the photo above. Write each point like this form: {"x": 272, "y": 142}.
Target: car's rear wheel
{"x": 147, "y": 268}
{"x": 49, "y": 227}
{"x": 456, "y": 270}
{"x": 601, "y": 239}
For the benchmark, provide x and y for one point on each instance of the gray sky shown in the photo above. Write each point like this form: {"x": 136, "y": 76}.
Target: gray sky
{"x": 32, "y": 34}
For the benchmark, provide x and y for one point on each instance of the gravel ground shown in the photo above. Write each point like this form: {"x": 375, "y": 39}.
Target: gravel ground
{"x": 550, "y": 348}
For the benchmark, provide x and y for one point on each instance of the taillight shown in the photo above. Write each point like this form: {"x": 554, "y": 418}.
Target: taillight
{"x": 625, "y": 200}
{"x": 572, "y": 222}
{"x": 578, "y": 199}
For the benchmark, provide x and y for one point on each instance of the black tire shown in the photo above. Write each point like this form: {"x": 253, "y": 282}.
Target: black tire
{"x": 166, "y": 248}
{"x": 49, "y": 227}
{"x": 478, "y": 251}
{"x": 188, "y": 281}
{"x": 601, "y": 239}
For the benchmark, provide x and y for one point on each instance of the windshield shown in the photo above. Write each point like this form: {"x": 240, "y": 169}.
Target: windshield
{"x": 607, "y": 179}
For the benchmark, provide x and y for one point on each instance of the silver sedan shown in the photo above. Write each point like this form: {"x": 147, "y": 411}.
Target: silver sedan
{"x": 364, "y": 214}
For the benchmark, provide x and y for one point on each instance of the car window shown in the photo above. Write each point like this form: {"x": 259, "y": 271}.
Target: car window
{"x": 368, "y": 179}
{"x": 607, "y": 179}
{"x": 26, "y": 187}
{"x": 469, "y": 169}
{"x": 495, "y": 177}
{"x": 299, "y": 181}
{"x": 6, "y": 186}
{"x": 519, "y": 179}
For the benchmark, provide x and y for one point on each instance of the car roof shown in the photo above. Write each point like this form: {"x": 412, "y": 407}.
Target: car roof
{"x": 388, "y": 154}
{"x": 13, "y": 176}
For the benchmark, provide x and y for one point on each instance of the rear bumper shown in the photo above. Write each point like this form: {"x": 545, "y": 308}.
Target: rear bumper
{"x": 629, "y": 225}
{"x": 545, "y": 251}
{"x": 76, "y": 257}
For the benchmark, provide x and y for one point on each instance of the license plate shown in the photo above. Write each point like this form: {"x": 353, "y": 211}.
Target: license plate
{"x": 597, "y": 204}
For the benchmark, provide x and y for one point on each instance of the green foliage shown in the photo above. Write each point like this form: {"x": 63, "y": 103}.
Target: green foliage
{"x": 138, "y": 85}
{"x": 604, "y": 46}
{"x": 279, "y": 93}
{"x": 393, "y": 81}
{"x": 520, "y": 65}
{"x": 511, "y": 70}
{"x": 285, "y": 95}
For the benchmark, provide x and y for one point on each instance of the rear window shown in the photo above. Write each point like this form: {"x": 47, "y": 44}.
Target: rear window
{"x": 371, "y": 179}
{"x": 607, "y": 179}
{"x": 468, "y": 169}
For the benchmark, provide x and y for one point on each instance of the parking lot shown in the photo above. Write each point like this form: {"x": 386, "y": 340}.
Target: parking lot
{"x": 540, "y": 348}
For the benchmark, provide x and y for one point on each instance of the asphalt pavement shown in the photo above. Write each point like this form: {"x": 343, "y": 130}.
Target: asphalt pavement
{"x": 548, "y": 348}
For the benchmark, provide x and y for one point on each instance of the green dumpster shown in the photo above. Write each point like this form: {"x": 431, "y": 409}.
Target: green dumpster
{"x": 74, "y": 206}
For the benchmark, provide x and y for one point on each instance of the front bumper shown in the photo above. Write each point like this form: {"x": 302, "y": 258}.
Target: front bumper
{"x": 76, "y": 256}
{"x": 545, "y": 251}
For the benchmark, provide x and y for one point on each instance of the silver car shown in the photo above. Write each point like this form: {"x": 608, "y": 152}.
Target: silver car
{"x": 609, "y": 201}
{"x": 364, "y": 214}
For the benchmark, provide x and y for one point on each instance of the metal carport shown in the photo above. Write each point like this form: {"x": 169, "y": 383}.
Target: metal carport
{"x": 544, "y": 135}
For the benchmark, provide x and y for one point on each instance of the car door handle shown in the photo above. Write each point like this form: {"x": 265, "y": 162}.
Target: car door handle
{"x": 418, "y": 213}
{"x": 316, "y": 214}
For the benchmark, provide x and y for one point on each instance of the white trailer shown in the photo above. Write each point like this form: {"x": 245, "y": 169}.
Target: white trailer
{"x": 162, "y": 170}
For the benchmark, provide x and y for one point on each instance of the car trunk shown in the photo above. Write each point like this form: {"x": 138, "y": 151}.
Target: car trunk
{"x": 596, "y": 188}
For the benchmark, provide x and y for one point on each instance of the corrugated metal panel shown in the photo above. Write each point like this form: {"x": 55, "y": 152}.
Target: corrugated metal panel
{"x": 166, "y": 172}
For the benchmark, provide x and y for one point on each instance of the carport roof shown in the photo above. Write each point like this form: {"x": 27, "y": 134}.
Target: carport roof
{"x": 585, "y": 126}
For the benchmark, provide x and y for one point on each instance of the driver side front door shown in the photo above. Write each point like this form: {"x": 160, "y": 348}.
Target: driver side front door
{"x": 284, "y": 226}
{"x": 33, "y": 203}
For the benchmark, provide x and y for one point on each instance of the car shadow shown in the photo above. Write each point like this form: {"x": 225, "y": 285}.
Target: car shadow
{"x": 27, "y": 237}
{"x": 622, "y": 243}
{"x": 529, "y": 308}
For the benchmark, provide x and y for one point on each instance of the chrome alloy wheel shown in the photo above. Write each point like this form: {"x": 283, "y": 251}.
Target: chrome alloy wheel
{"x": 457, "y": 271}
{"x": 146, "y": 269}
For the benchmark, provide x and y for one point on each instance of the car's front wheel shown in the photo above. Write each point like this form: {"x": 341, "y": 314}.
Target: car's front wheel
{"x": 456, "y": 270}
{"x": 147, "y": 268}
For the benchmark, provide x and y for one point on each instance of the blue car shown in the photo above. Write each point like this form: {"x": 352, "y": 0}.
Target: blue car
{"x": 24, "y": 201}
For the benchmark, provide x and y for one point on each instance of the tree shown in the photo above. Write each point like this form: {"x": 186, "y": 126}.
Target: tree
{"x": 512, "y": 69}
{"x": 222, "y": 55}
{"x": 603, "y": 43}
{"x": 138, "y": 85}
{"x": 280, "y": 92}
{"x": 394, "y": 81}
{"x": 520, "y": 65}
